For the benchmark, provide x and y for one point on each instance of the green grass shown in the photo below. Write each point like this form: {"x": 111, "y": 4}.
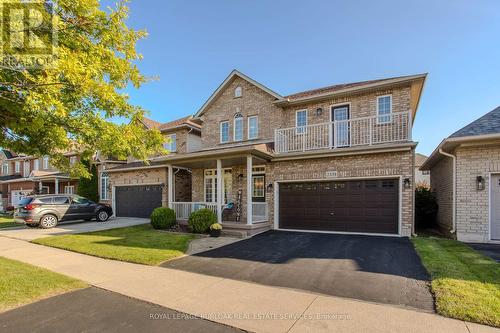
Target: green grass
{"x": 7, "y": 222}
{"x": 465, "y": 283}
{"x": 21, "y": 283}
{"x": 139, "y": 244}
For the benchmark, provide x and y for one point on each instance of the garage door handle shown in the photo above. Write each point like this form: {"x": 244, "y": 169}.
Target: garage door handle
{"x": 331, "y": 213}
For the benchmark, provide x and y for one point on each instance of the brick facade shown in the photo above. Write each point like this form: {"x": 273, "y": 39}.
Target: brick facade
{"x": 253, "y": 102}
{"x": 472, "y": 205}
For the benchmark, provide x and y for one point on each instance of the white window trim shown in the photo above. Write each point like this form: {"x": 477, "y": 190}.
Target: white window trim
{"x": 390, "y": 113}
{"x": 72, "y": 187}
{"x": 17, "y": 166}
{"x": 242, "y": 127}
{"x": 212, "y": 174}
{"x": 220, "y": 131}
{"x": 248, "y": 126}
{"x": 26, "y": 169}
{"x": 5, "y": 168}
{"x": 238, "y": 92}
{"x": 105, "y": 196}
{"x": 72, "y": 160}
{"x": 253, "y": 187}
{"x": 45, "y": 188}
{"x": 45, "y": 163}
{"x": 36, "y": 164}
{"x": 297, "y": 131}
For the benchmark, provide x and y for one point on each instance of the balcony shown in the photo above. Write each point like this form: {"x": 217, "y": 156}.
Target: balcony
{"x": 365, "y": 131}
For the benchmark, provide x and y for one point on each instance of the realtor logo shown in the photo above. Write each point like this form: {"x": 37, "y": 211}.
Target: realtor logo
{"x": 28, "y": 36}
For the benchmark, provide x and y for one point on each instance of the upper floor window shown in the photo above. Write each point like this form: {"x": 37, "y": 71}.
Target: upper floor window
{"x": 224, "y": 131}
{"x": 26, "y": 171}
{"x": 104, "y": 186}
{"x": 238, "y": 127}
{"x": 301, "y": 121}
{"x": 5, "y": 168}
{"x": 237, "y": 92}
{"x": 72, "y": 160}
{"x": 36, "y": 164}
{"x": 45, "y": 162}
{"x": 384, "y": 109}
{"x": 17, "y": 167}
{"x": 253, "y": 127}
{"x": 171, "y": 144}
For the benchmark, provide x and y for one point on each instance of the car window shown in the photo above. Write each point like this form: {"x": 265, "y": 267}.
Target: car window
{"x": 45, "y": 200}
{"x": 25, "y": 201}
{"x": 61, "y": 200}
{"x": 80, "y": 200}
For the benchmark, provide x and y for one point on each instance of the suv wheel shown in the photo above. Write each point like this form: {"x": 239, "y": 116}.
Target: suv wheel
{"x": 32, "y": 225}
{"x": 48, "y": 221}
{"x": 102, "y": 216}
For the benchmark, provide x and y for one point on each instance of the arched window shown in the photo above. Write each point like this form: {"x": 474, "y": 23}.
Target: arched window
{"x": 238, "y": 127}
{"x": 237, "y": 92}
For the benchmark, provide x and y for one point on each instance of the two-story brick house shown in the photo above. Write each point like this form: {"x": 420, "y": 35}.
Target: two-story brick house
{"x": 334, "y": 159}
{"x": 22, "y": 175}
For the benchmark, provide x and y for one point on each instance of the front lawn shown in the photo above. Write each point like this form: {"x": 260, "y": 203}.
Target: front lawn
{"x": 139, "y": 244}
{"x": 7, "y": 221}
{"x": 465, "y": 283}
{"x": 21, "y": 283}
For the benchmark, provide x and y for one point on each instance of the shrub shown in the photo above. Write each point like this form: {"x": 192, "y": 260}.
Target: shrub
{"x": 163, "y": 218}
{"x": 426, "y": 207}
{"x": 201, "y": 220}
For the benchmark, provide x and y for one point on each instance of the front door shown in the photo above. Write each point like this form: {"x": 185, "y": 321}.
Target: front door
{"x": 340, "y": 116}
{"x": 258, "y": 188}
{"x": 495, "y": 207}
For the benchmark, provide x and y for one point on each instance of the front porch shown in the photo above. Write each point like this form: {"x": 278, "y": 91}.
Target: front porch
{"x": 53, "y": 183}
{"x": 233, "y": 186}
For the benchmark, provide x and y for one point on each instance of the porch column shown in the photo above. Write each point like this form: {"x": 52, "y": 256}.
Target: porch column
{"x": 170, "y": 185}
{"x": 220, "y": 190}
{"x": 56, "y": 186}
{"x": 40, "y": 187}
{"x": 249, "y": 190}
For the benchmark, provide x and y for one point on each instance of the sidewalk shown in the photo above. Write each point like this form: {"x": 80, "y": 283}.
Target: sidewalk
{"x": 244, "y": 305}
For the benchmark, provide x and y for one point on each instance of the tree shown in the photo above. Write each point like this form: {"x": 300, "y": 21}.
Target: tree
{"x": 48, "y": 110}
{"x": 88, "y": 186}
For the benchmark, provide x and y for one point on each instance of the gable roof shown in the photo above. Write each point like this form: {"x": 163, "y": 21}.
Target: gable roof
{"x": 485, "y": 128}
{"x": 419, "y": 159}
{"x": 487, "y": 124}
{"x": 150, "y": 123}
{"x": 234, "y": 73}
{"x": 178, "y": 123}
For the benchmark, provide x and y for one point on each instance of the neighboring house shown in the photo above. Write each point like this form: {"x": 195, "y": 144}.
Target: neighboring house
{"x": 22, "y": 175}
{"x": 334, "y": 159}
{"x": 465, "y": 174}
{"x": 422, "y": 177}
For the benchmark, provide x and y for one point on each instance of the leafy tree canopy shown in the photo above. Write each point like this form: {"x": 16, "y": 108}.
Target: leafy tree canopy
{"x": 48, "y": 110}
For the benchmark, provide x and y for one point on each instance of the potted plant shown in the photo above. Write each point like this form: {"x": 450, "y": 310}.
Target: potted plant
{"x": 215, "y": 230}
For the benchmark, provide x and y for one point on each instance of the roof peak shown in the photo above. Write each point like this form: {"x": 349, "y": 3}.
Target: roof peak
{"x": 486, "y": 124}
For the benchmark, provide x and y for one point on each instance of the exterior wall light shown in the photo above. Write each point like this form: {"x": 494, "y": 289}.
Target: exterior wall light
{"x": 480, "y": 183}
{"x": 270, "y": 187}
{"x": 240, "y": 177}
{"x": 319, "y": 111}
{"x": 407, "y": 183}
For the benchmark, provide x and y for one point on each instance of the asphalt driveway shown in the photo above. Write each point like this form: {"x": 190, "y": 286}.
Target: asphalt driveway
{"x": 71, "y": 227}
{"x": 371, "y": 268}
{"x": 97, "y": 310}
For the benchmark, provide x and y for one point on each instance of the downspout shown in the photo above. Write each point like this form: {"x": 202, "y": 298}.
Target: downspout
{"x": 454, "y": 159}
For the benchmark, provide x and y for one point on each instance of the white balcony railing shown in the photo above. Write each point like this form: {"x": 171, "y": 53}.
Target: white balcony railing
{"x": 260, "y": 212}
{"x": 184, "y": 209}
{"x": 395, "y": 127}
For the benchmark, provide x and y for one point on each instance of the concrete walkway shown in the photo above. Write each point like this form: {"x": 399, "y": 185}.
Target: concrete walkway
{"x": 245, "y": 305}
{"x": 73, "y": 227}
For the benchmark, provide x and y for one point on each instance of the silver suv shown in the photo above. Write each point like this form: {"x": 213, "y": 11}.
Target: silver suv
{"x": 46, "y": 211}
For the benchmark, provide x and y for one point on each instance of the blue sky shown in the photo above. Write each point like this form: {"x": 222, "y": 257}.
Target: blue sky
{"x": 291, "y": 46}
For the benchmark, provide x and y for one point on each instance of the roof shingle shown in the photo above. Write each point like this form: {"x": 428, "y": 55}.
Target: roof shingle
{"x": 487, "y": 124}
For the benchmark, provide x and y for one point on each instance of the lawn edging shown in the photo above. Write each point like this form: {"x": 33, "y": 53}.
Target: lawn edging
{"x": 465, "y": 283}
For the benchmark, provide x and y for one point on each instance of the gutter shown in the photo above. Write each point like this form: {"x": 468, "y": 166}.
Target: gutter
{"x": 454, "y": 177}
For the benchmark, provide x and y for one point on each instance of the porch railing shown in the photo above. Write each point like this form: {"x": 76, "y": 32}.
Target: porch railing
{"x": 394, "y": 127}
{"x": 184, "y": 209}
{"x": 260, "y": 212}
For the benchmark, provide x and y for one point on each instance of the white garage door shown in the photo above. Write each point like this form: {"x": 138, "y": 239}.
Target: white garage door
{"x": 495, "y": 207}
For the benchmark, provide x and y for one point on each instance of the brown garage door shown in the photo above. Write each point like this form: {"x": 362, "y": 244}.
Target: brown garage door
{"x": 369, "y": 206}
{"x": 137, "y": 201}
